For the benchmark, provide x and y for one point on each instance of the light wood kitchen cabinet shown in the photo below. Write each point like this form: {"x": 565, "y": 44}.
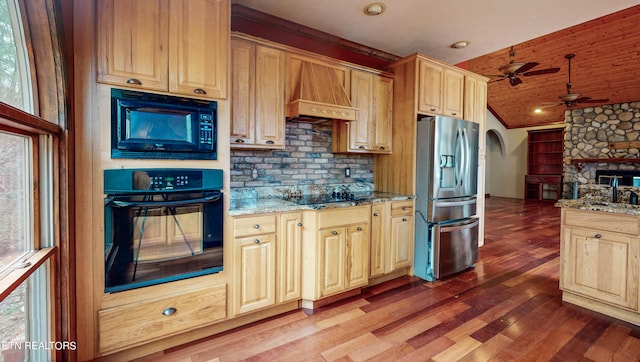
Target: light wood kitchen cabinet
{"x": 177, "y": 46}
{"x": 440, "y": 90}
{"x": 133, "y": 324}
{"x": 254, "y": 262}
{"x": 599, "y": 262}
{"x": 289, "y": 266}
{"x": 335, "y": 251}
{"x": 372, "y": 94}
{"x": 392, "y": 230}
{"x": 257, "y": 102}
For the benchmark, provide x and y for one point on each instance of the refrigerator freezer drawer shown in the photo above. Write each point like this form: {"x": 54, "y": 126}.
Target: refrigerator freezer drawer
{"x": 450, "y": 248}
{"x": 451, "y": 209}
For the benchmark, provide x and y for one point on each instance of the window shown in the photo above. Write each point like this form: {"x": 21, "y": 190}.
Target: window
{"x": 27, "y": 238}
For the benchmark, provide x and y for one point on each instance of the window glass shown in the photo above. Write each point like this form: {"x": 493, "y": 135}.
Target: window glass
{"x": 15, "y": 226}
{"x": 12, "y": 81}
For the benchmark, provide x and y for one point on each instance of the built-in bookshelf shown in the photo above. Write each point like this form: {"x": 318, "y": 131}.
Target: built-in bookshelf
{"x": 544, "y": 164}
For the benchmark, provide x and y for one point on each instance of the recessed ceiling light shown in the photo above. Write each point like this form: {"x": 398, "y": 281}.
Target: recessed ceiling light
{"x": 537, "y": 110}
{"x": 460, "y": 44}
{"x": 375, "y": 9}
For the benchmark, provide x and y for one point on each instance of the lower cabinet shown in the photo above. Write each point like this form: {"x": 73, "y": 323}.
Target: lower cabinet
{"x": 600, "y": 261}
{"x": 137, "y": 323}
{"x": 266, "y": 264}
{"x": 335, "y": 251}
{"x": 392, "y": 230}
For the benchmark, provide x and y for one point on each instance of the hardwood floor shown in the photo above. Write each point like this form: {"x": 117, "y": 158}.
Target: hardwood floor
{"x": 508, "y": 308}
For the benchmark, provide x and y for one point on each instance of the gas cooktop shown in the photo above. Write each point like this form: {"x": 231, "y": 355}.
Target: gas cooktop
{"x": 330, "y": 198}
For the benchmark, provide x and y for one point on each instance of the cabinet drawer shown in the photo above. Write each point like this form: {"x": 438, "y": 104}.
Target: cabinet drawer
{"x": 402, "y": 208}
{"x": 254, "y": 225}
{"x": 129, "y": 325}
{"x": 625, "y": 224}
{"x": 344, "y": 216}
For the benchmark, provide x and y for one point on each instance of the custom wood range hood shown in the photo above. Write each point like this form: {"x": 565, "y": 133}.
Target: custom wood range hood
{"x": 319, "y": 97}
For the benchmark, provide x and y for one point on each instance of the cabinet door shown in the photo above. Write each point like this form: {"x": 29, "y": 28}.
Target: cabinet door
{"x": 199, "y": 43}
{"x": 132, "y": 43}
{"x": 332, "y": 265}
{"x": 380, "y": 218}
{"x": 363, "y": 98}
{"x": 289, "y": 257}
{"x": 242, "y": 88}
{"x": 269, "y": 97}
{"x": 401, "y": 248}
{"x": 383, "y": 110}
{"x": 453, "y": 93}
{"x": 601, "y": 265}
{"x": 255, "y": 268}
{"x": 430, "y": 85}
{"x": 357, "y": 254}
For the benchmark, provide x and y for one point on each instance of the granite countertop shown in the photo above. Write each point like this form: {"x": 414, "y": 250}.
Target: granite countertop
{"x": 597, "y": 205}
{"x": 247, "y": 206}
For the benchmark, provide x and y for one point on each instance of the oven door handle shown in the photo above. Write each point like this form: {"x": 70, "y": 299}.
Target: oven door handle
{"x": 111, "y": 201}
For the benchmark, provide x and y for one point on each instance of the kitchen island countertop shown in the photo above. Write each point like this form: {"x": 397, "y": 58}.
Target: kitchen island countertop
{"x": 597, "y": 205}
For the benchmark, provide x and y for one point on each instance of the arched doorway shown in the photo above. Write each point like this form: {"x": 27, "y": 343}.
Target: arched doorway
{"x": 494, "y": 163}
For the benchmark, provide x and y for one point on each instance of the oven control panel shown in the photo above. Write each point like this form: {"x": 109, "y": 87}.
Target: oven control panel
{"x": 123, "y": 181}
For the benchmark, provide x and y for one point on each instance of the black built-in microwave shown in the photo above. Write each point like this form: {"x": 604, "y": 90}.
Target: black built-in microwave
{"x": 155, "y": 126}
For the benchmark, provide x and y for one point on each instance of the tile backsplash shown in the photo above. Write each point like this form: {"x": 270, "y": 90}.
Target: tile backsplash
{"x": 306, "y": 160}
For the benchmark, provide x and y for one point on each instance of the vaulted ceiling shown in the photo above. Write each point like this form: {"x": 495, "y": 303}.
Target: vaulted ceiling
{"x": 606, "y": 66}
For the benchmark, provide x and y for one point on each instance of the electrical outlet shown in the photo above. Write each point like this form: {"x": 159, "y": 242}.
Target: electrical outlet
{"x": 347, "y": 172}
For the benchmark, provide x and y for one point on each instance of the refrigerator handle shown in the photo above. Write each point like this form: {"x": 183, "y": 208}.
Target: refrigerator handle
{"x": 463, "y": 226}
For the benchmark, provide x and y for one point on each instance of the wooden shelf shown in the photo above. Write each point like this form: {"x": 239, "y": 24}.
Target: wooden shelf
{"x": 544, "y": 164}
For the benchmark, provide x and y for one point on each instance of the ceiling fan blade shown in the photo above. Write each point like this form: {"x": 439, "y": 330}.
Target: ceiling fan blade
{"x": 549, "y": 105}
{"x": 526, "y": 67}
{"x": 497, "y": 80}
{"x": 589, "y": 100}
{"x": 514, "y": 81}
{"x": 542, "y": 71}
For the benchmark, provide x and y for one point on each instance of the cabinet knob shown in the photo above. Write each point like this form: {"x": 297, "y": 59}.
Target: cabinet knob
{"x": 239, "y": 141}
{"x": 359, "y": 228}
{"x": 598, "y": 236}
{"x": 169, "y": 311}
{"x": 404, "y": 208}
{"x": 256, "y": 226}
{"x": 300, "y": 224}
{"x": 382, "y": 148}
{"x": 404, "y": 219}
{"x": 433, "y": 109}
{"x": 453, "y": 113}
{"x": 375, "y": 214}
{"x": 334, "y": 232}
{"x": 361, "y": 147}
{"x": 199, "y": 91}
{"x": 134, "y": 81}
{"x": 257, "y": 241}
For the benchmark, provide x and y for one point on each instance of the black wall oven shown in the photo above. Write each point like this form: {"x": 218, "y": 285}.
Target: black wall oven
{"x": 161, "y": 225}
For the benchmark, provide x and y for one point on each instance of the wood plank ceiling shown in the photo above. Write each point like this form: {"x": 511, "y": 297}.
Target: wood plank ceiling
{"x": 606, "y": 65}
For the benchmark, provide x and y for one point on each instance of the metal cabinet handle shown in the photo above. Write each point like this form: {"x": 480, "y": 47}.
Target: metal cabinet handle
{"x": 256, "y": 226}
{"x": 382, "y": 148}
{"x": 199, "y": 91}
{"x": 300, "y": 224}
{"x": 361, "y": 147}
{"x": 359, "y": 228}
{"x": 404, "y": 219}
{"x": 169, "y": 311}
{"x": 405, "y": 208}
{"x": 239, "y": 141}
{"x": 453, "y": 113}
{"x": 375, "y": 214}
{"x": 598, "y": 236}
{"x": 134, "y": 81}
{"x": 334, "y": 232}
{"x": 270, "y": 142}
{"x": 257, "y": 241}
{"x": 433, "y": 109}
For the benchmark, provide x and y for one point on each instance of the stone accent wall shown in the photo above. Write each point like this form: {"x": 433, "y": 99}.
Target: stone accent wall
{"x": 306, "y": 160}
{"x": 588, "y": 132}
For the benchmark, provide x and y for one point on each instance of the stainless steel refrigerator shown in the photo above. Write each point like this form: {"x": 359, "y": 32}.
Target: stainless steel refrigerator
{"x": 446, "y": 236}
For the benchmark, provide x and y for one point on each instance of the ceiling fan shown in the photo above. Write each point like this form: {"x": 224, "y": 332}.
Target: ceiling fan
{"x": 572, "y": 99}
{"x": 514, "y": 70}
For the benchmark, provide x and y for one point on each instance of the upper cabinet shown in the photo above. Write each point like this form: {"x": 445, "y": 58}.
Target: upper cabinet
{"x": 177, "y": 46}
{"x": 440, "y": 89}
{"x": 372, "y": 95}
{"x": 257, "y": 101}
